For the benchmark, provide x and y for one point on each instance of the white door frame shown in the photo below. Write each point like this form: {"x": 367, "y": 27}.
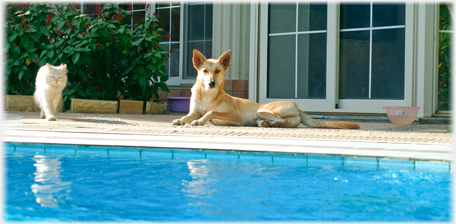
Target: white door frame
{"x": 332, "y": 68}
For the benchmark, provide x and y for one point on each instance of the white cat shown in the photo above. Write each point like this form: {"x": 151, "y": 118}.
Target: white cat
{"x": 50, "y": 81}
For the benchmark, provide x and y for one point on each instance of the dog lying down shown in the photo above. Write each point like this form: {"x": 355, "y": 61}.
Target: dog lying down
{"x": 209, "y": 102}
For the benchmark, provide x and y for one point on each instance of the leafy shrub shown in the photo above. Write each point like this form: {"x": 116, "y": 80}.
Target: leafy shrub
{"x": 106, "y": 59}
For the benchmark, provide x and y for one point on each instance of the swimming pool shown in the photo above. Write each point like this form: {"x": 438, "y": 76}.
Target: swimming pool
{"x": 88, "y": 183}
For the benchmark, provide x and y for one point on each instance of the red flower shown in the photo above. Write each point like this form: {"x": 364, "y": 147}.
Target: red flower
{"x": 166, "y": 57}
{"x": 130, "y": 7}
{"x": 168, "y": 36}
{"x": 59, "y": 31}
{"x": 23, "y": 18}
{"x": 154, "y": 14}
{"x": 150, "y": 51}
{"x": 18, "y": 26}
{"x": 68, "y": 25}
{"x": 156, "y": 44}
{"x": 132, "y": 15}
{"x": 48, "y": 19}
{"x": 30, "y": 84}
{"x": 96, "y": 87}
{"x": 83, "y": 34}
{"x": 97, "y": 44}
{"x": 91, "y": 6}
{"x": 170, "y": 50}
{"x": 84, "y": 80}
{"x": 174, "y": 75}
{"x": 153, "y": 26}
{"x": 134, "y": 28}
{"x": 36, "y": 62}
{"x": 142, "y": 71}
{"x": 116, "y": 17}
{"x": 87, "y": 26}
{"x": 147, "y": 7}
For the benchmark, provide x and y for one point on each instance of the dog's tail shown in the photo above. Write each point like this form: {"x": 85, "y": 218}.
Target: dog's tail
{"x": 311, "y": 123}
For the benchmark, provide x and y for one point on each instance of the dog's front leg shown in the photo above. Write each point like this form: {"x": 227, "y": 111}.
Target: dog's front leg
{"x": 187, "y": 119}
{"x": 230, "y": 118}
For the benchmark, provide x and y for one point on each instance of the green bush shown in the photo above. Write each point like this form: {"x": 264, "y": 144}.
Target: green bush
{"x": 105, "y": 58}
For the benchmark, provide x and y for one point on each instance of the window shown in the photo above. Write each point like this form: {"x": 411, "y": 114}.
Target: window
{"x": 372, "y": 49}
{"x": 196, "y": 33}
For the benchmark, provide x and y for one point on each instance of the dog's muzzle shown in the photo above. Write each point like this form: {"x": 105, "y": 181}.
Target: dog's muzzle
{"x": 212, "y": 84}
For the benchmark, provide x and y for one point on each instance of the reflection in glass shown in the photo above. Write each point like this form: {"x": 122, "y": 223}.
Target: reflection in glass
{"x": 311, "y": 66}
{"x": 312, "y": 16}
{"x": 354, "y": 65}
{"x": 388, "y": 60}
{"x": 354, "y": 15}
{"x": 388, "y": 14}
{"x": 282, "y": 18}
{"x": 281, "y": 67}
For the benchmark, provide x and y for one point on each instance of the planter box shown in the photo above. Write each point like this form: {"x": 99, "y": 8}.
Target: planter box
{"x": 21, "y": 103}
{"x": 94, "y": 106}
{"x": 179, "y": 104}
{"x": 131, "y": 107}
{"x": 155, "y": 108}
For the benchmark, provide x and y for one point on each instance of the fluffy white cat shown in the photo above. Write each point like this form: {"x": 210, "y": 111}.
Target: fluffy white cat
{"x": 50, "y": 81}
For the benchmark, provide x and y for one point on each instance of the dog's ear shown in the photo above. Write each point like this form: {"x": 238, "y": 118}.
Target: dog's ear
{"x": 225, "y": 59}
{"x": 198, "y": 59}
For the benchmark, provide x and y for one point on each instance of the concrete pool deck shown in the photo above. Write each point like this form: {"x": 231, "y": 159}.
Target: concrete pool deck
{"x": 419, "y": 142}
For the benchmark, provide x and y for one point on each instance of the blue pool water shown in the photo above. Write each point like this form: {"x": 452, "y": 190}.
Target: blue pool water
{"x": 65, "y": 183}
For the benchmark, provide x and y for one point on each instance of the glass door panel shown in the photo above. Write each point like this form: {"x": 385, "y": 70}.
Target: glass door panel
{"x": 297, "y": 51}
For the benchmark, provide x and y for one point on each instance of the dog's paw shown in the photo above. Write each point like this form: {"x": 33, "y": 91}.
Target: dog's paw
{"x": 177, "y": 122}
{"x": 51, "y": 118}
{"x": 195, "y": 123}
{"x": 264, "y": 124}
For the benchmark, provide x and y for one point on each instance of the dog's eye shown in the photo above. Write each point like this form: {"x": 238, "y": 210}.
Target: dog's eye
{"x": 205, "y": 70}
{"x": 217, "y": 71}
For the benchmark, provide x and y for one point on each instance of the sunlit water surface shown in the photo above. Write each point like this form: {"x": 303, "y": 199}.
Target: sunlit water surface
{"x": 61, "y": 183}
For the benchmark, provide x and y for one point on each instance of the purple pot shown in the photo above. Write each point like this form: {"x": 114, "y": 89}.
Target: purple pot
{"x": 179, "y": 104}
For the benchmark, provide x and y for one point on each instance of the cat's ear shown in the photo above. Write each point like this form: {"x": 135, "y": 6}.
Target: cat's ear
{"x": 48, "y": 65}
{"x": 64, "y": 66}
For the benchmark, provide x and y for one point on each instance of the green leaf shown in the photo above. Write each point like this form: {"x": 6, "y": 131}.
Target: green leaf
{"x": 25, "y": 40}
{"x": 44, "y": 30}
{"x": 68, "y": 50}
{"x": 163, "y": 86}
{"x": 164, "y": 78}
{"x": 50, "y": 54}
{"x": 142, "y": 81}
{"x": 43, "y": 53}
{"x": 81, "y": 93}
{"x": 21, "y": 73}
{"x": 136, "y": 43}
{"x": 103, "y": 32}
{"x": 60, "y": 24}
{"x": 12, "y": 37}
{"x": 76, "y": 57}
{"x": 121, "y": 30}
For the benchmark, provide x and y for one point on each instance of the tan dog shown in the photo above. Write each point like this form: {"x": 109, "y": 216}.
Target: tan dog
{"x": 209, "y": 102}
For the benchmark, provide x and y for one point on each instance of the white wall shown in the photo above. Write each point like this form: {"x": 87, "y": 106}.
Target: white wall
{"x": 231, "y": 31}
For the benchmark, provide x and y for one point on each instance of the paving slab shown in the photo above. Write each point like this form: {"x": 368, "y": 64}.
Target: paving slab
{"x": 431, "y": 142}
